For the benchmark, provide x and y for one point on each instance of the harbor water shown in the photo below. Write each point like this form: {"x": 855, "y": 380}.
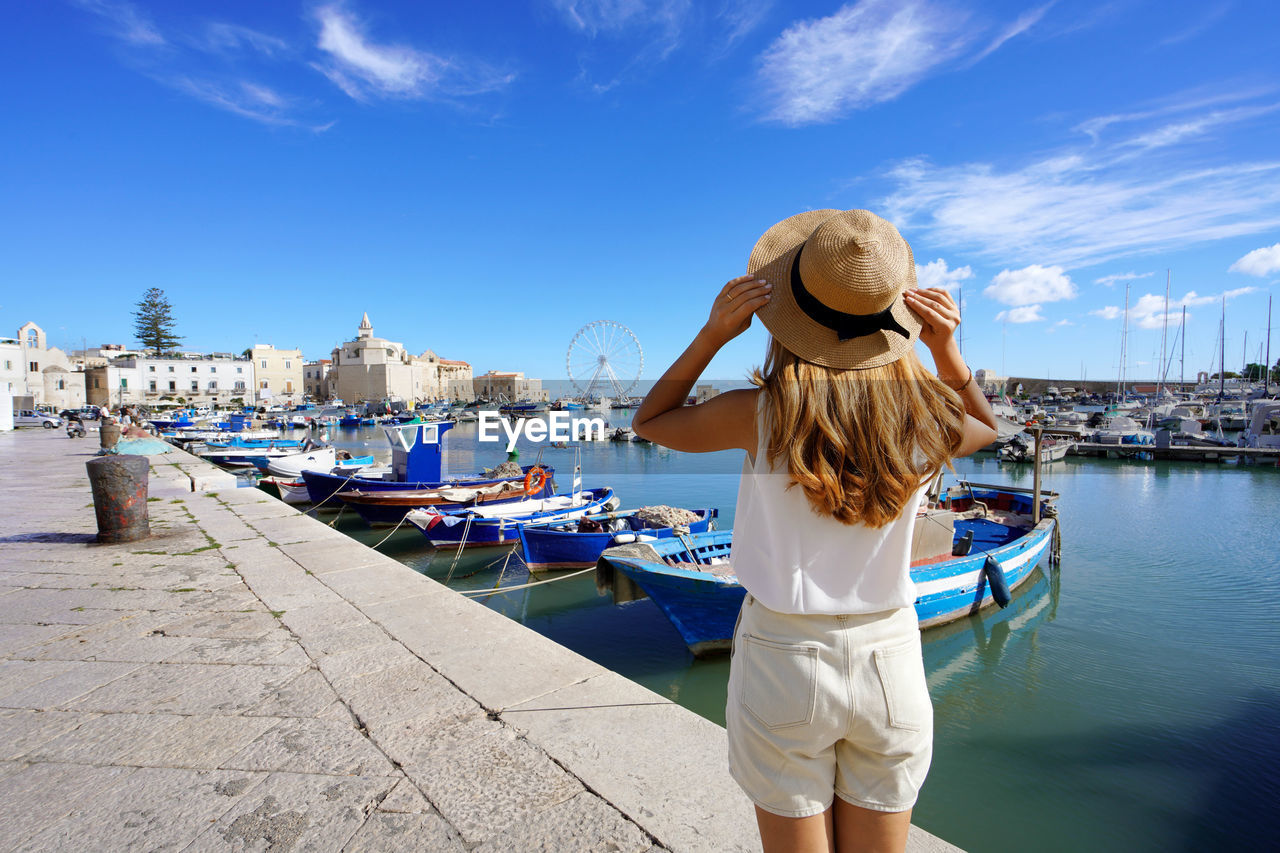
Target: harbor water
{"x": 1128, "y": 700}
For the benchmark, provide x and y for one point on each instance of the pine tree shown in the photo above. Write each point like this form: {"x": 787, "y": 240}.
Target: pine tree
{"x": 153, "y": 322}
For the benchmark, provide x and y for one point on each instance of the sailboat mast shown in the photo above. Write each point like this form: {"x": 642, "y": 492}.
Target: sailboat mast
{"x": 1164, "y": 333}
{"x": 1266, "y": 362}
{"x": 1124, "y": 344}
{"x": 1182, "y": 359}
{"x": 1222, "y": 351}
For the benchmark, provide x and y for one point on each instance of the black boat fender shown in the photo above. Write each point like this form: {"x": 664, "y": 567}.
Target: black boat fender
{"x": 963, "y": 545}
{"x": 996, "y": 581}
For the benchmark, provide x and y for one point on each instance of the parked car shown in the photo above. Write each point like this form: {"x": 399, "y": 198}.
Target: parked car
{"x": 29, "y": 417}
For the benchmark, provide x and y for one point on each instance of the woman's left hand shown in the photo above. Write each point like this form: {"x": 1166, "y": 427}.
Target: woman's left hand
{"x": 939, "y": 312}
{"x": 734, "y": 306}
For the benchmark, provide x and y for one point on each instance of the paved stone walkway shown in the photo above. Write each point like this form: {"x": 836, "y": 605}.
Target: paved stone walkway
{"x": 250, "y": 679}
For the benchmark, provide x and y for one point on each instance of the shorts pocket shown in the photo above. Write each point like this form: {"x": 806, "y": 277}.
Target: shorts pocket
{"x": 906, "y": 692}
{"x": 779, "y": 685}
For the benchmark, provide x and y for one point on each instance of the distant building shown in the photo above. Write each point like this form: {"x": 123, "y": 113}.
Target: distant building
{"x": 370, "y": 369}
{"x": 989, "y": 382}
{"x": 277, "y": 375}
{"x": 315, "y": 379}
{"x": 706, "y": 392}
{"x": 148, "y": 380}
{"x": 30, "y": 367}
{"x": 511, "y": 386}
{"x": 100, "y": 356}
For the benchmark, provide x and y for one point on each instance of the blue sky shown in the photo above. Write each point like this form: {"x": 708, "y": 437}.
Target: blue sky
{"x": 484, "y": 178}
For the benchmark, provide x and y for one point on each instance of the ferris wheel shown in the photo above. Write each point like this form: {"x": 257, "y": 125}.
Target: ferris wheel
{"x": 604, "y": 358}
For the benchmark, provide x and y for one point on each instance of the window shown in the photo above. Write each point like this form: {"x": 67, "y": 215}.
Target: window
{"x": 264, "y": 364}
{"x": 213, "y": 385}
{"x": 173, "y": 386}
{"x": 288, "y": 365}
{"x": 171, "y": 368}
{"x": 195, "y": 384}
{"x": 239, "y": 370}
{"x": 124, "y": 383}
{"x": 96, "y": 384}
{"x": 34, "y": 366}
{"x": 8, "y": 365}
{"x": 193, "y": 370}
{"x": 213, "y": 369}
{"x": 151, "y": 367}
{"x": 33, "y": 338}
{"x": 288, "y": 387}
{"x": 62, "y": 385}
{"x": 239, "y": 385}
{"x": 151, "y": 384}
{"x": 262, "y": 384}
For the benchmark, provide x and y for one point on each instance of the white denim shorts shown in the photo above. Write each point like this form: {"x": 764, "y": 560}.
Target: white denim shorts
{"x": 823, "y": 706}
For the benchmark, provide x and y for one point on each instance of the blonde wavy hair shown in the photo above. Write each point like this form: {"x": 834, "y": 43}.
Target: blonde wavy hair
{"x": 858, "y": 442}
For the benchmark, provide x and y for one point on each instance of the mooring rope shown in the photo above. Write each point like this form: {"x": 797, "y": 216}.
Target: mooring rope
{"x": 480, "y": 592}
{"x": 335, "y": 492}
{"x": 393, "y": 530}
{"x": 462, "y": 543}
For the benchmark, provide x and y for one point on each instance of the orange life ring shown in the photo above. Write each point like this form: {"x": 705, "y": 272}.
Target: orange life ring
{"x": 535, "y": 480}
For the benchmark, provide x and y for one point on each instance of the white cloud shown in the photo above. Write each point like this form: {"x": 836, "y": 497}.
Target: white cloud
{"x": 1081, "y": 209}
{"x": 1148, "y": 311}
{"x": 127, "y": 23}
{"x": 245, "y": 98}
{"x": 1063, "y": 322}
{"x": 1207, "y": 20}
{"x": 1030, "y": 285}
{"x": 1171, "y": 134}
{"x": 1025, "y": 21}
{"x": 223, "y": 37}
{"x": 1259, "y": 262}
{"x": 741, "y": 17}
{"x": 1024, "y": 314}
{"x": 1109, "y": 280}
{"x": 363, "y": 68}
{"x": 936, "y": 274}
{"x": 865, "y": 53}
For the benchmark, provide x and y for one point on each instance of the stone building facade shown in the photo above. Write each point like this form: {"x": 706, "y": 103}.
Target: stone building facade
{"x": 370, "y": 369}
{"x": 29, "y": 367}
{"x": 147, "y": 380}
{"x": 277, "y": 375}
{"x": 315, "y": 380}
{"x": 497, "y": 385}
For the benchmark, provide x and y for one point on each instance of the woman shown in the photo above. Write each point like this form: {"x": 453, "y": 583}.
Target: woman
{"x": 829, "y": 721}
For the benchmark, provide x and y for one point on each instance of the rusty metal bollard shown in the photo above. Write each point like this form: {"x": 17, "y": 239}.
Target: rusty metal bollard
{"x": 108, "y": 435}
{"x": 119, "y": 486}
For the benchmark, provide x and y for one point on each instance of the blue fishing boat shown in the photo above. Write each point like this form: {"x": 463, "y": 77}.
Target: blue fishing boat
{"x": 349, "y": 420}
{"x": 994, "y": 548}
{"x": 500, "y": 524}
{"x": 417, "y": 456}
{"x": 561, "y": 545}
{"x": 238, "y": 443}
{"x": 389, "y": 506}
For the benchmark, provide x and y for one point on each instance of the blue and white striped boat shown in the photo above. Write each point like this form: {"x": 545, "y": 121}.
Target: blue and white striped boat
{"x": 560, "y": 545}
{"x": 693, "y": 584}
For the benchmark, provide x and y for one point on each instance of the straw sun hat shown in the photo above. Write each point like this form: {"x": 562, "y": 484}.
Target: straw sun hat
{"x": 838, "y": 277}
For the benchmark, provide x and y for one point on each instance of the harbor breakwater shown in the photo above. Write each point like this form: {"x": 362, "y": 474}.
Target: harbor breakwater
{"x": 251, "y": 677}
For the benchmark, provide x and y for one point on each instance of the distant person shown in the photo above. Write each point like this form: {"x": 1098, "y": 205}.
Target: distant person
{"x": 829, "y": 720}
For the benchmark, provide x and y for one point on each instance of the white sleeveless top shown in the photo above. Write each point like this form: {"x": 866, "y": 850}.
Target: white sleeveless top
{"x": 794, "y": 560}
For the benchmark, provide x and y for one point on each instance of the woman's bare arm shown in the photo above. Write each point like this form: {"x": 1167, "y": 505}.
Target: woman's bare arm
{"x": 941, "y": 317}
{"x": 723, "y": 422}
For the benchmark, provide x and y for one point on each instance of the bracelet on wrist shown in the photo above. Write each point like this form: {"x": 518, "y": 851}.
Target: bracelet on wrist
{"x": 963, "y": 385}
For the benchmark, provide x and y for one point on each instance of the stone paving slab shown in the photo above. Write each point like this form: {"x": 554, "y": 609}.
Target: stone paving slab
{"x": 251, "y": 679}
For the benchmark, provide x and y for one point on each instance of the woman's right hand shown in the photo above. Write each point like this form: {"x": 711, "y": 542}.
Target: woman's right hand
{"x": 731, "y": 313}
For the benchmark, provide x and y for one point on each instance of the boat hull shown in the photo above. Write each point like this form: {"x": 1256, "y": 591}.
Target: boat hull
{"x": 489, "y": 532}
{"x": 545, "y": 549}
{"x": 703, "y": 606}
{"x": 321, "y": 486}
